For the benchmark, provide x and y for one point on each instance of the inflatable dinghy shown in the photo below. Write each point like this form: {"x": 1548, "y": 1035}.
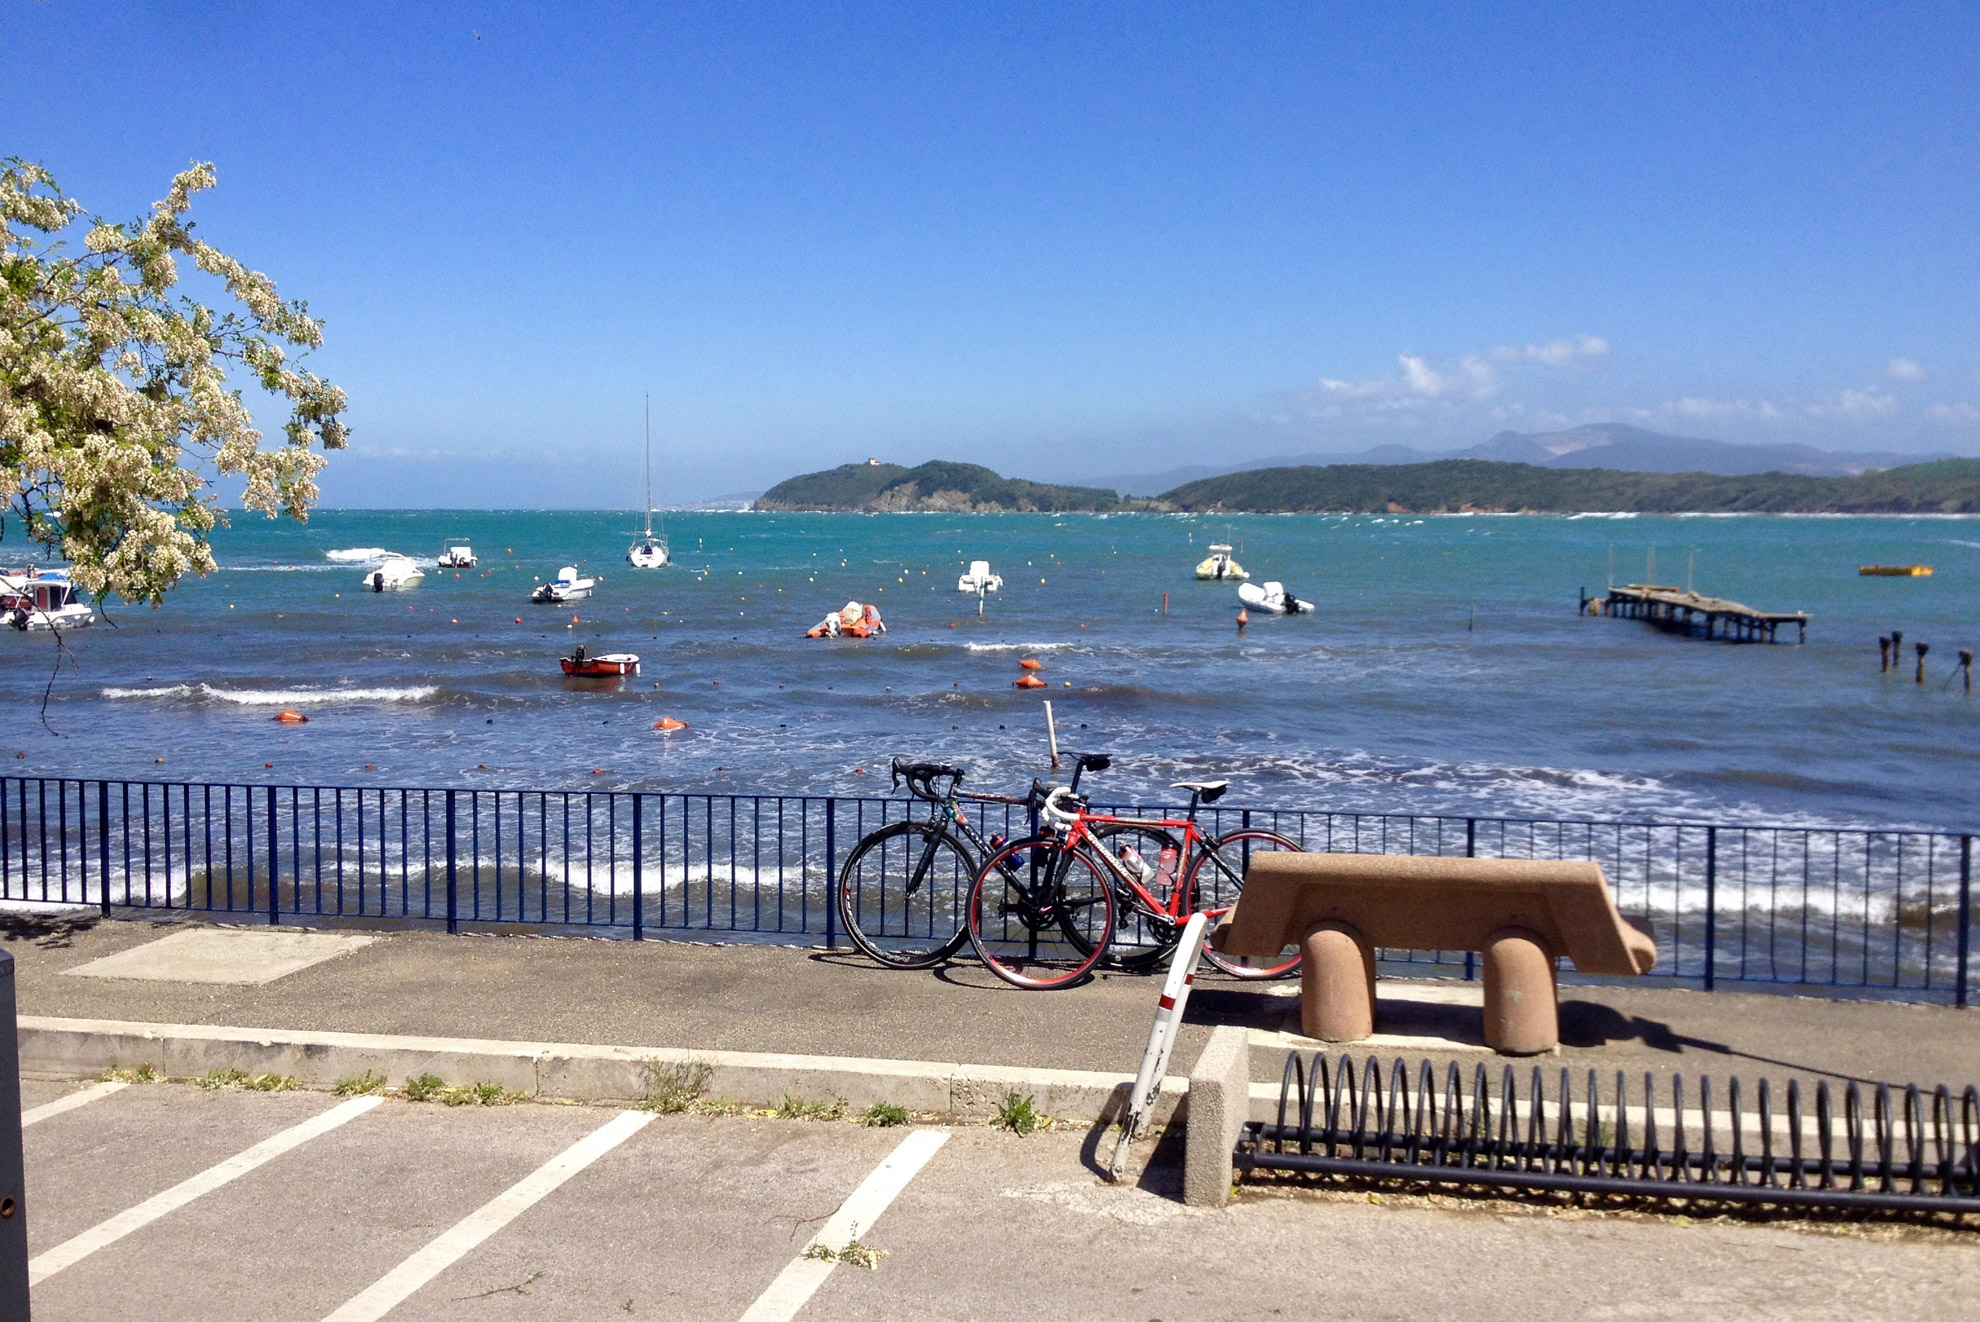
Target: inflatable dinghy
{"x": 1273, "y": 599}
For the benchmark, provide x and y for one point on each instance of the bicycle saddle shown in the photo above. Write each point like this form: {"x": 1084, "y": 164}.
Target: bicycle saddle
{"x": 1094, "y": 761}
{"x": 1208, "y": 791}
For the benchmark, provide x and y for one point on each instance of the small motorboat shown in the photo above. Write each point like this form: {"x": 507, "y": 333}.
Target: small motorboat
{"x": 1219, "y": 566}
{"x": 979, "y": 579}
{"x": 1273, "y": 599}
{"x": 396, "y": 572}
{"x": 456, "y": 555}
{"x": 567, "y": 586}
{"x": 1895, "y": 571}
{"x": 607, "y": 665}
{"x": 42, "y": 599}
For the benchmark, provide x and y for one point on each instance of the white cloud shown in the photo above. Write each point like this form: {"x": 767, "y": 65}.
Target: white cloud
{"x": 1715, "y": 410}
{"x": 1416, "y": 380}
{"x": 1555, "y": 353}
{"x": 1903, "y": 369}
{"x": 1953, "y": 413}
{"x": 1868, "y": 402}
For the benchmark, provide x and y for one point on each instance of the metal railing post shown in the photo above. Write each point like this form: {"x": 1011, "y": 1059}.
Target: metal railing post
{"x": 103, "y": 842}
{"x": 1471, "y": 851}
{"x": 453, "y": 872}
{"x": 831, "y": 873}
{"x": 274, "y": 859}
{"x": 1711, "y": 905}
{"x": 1960, "y": 979}
{"x": 13, "y": 1176}
{"x": 639, "y": 872}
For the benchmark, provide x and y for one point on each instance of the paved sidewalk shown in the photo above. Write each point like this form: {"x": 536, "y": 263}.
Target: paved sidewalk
{"x": 808, "y": 1001}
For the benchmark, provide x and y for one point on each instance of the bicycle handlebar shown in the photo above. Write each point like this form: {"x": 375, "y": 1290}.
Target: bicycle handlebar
{"x": 921, "y": 775}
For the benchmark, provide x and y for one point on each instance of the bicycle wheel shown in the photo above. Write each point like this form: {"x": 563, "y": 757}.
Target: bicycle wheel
{"x": 901, "y": 891}
{"x": 1215, "y": 880}
{"x": 1040, "y": 916}
{"x": 1144, "y": 938}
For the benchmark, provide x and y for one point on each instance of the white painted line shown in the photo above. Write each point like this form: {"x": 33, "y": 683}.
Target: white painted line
{"x": 103, "y": 1234}
{"x": 395, "y": 1286}
{"x": 81, "y": 1097}
{"x": 800, "y": 1280}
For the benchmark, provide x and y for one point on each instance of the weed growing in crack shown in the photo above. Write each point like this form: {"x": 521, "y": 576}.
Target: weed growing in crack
{"x": 854, "y": 1253}
{"x": 368, "y": 1082}
{"x": 793, "y": 1109}
{"x": 141, "y": 1074}
{"x": 673, "y": 1087}
{"x": 883, "y": 1115}
{"x": 231, "y": 1078}
{"x": 1018, "y": 1114}
{"x": 424, "y": 1087}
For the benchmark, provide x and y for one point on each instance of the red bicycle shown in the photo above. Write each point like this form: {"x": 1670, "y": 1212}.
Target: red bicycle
{"x": 1045, "y": 911}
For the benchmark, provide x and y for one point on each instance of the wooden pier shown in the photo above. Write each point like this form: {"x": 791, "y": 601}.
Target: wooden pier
{"x": 1681, "y": 610}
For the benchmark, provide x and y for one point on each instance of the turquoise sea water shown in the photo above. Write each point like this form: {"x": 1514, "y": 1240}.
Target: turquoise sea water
{"x": 1447, "y": 668}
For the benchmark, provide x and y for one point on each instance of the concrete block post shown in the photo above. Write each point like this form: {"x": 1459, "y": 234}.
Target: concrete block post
{"x": 1219, "y": 1104}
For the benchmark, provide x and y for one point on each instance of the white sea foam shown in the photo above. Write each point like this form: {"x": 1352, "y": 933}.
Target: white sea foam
{"x": 1018, "y": 647}
{"x": 279, "y": 697}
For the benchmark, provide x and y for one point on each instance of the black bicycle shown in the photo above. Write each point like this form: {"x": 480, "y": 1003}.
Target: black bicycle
{"x": 901, "y": 890}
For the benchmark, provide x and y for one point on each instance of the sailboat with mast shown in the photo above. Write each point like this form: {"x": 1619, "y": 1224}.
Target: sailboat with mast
{"x": 649, "y": 552}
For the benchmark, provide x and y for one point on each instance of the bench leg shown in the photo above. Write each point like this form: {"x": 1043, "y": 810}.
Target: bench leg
{"x": 1337, "y": 984}
{"x": 1522, "y": 1014}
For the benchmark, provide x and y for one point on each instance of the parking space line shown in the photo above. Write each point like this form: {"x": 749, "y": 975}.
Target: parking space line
{"x": 800, "y": 1280}
{"x": 105, "y": 1233}
{"x": 392, "y": 1289}
{"x": 81, "y": 1097}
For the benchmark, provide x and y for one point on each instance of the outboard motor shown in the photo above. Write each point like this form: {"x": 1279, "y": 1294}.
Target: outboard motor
{"x": 378, "y": 580}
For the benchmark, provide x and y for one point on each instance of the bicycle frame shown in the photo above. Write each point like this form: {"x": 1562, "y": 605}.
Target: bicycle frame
{"x": 1173, "y": 909}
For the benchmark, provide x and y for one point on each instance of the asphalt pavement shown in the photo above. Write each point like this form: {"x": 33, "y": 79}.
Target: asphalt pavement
{"x": 414, "y": 1210}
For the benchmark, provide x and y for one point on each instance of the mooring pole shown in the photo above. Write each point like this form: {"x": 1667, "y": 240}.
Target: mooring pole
{"x": 1051, "y": 733}
{"x": 1165, "y": 603}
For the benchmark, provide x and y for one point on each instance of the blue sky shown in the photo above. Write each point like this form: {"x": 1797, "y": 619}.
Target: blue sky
{"x": 1061, "y": 240}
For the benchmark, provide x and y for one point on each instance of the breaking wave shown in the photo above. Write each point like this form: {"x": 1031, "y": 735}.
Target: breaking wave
{"x": 279, "y": 697}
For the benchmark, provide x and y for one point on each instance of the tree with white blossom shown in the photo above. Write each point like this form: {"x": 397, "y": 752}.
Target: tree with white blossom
{"x": 116, "y": 415}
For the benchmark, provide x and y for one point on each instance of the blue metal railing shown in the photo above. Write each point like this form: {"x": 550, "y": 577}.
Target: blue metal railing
{"x": 1881, "y": 912}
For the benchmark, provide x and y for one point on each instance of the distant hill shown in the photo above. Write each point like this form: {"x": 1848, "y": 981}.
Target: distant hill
{"x": 1946, "y": 486}
{"x": 937, "y": 486}
{"x": 1597, "y": 445}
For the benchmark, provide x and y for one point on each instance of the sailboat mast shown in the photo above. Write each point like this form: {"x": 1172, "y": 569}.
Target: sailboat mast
{"x": 649, "y": 467}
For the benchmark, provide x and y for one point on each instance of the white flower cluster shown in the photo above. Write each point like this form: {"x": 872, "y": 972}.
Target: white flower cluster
{"x": 114, "y": 393}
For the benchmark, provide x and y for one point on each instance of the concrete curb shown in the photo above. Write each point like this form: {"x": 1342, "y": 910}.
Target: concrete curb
{"x": 78, "y": 1048}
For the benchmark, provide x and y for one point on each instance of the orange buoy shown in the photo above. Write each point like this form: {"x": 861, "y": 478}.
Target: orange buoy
{"x": 1030, "y": 663}
{"x": 669, "y": 723}
{"x": 267, "y": 764}
{"x": 518, "y": 619}
{"x": 290, "y": 716}
{"x": 1027, "y": 682}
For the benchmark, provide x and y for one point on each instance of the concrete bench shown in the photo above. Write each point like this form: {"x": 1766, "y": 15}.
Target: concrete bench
{"x": 1519, "y": 915}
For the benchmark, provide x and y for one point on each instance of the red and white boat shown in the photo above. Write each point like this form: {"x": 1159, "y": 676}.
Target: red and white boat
{"x": 608, "y": 665}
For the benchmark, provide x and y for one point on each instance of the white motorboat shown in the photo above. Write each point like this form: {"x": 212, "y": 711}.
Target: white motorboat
{"x": 979, "y": 579}
{"x": 394, "y": 573}
{"x": 42, "y": 599}
{"x": 1219, "y": 566}
{"x": 649, "y": 552}
{"x": 456, "y": 555}
{"x": 1273, "y": 599}
{"x": 567, "y": 586}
